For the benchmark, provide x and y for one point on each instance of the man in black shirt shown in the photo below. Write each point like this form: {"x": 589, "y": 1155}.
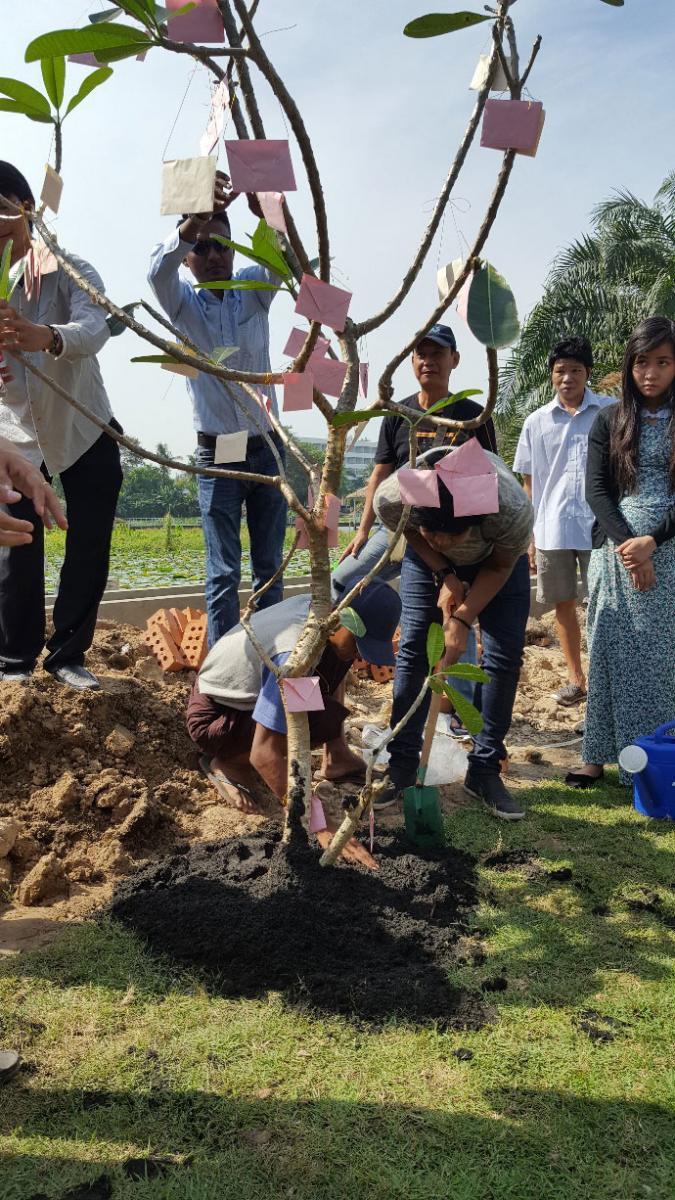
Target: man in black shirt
{"x": 433, "y": 361}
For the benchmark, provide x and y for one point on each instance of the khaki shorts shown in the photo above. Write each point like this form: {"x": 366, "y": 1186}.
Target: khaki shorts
{"x": 557, "y": 575}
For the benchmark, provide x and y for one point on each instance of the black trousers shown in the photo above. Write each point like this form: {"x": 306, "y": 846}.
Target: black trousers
{"x": 91, "y": 487}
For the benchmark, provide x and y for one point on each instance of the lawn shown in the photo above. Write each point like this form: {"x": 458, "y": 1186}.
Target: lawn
{"x": 128, "y": 1057}
{"x": 151, "y": 557}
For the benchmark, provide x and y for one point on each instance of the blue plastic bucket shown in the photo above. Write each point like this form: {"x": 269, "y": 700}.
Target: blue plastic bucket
{"x": 654, "y": 784}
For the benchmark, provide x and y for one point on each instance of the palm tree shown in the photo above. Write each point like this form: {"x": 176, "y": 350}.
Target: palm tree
{"x": 600, "y": 287}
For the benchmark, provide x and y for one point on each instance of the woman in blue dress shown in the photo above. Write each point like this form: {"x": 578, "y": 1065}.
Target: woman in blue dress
{"x": 630, "y": 486}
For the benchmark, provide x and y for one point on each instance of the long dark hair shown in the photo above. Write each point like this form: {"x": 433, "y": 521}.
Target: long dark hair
{"x": 625, "y": 439}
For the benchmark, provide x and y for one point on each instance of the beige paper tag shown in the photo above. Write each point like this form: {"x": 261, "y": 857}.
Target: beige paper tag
{"x": 188, "y": 186}
{"x": 51, "y": 189}
{"x": 230, "y": 448}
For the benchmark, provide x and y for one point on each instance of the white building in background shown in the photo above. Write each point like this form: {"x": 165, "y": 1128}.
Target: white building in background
{"x": 357, "y": 460}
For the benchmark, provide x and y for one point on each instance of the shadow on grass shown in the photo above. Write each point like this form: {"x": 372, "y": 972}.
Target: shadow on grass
{"x": 526, "y": 1144}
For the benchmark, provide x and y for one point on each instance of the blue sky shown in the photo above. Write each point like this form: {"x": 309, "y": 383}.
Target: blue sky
{"x": 385, "y": 114}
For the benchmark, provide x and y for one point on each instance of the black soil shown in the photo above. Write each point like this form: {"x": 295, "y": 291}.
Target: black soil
{"x": 253, "y": 918}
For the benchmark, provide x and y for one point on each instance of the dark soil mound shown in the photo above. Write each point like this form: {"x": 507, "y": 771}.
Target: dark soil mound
{"x": 254, "y": 917}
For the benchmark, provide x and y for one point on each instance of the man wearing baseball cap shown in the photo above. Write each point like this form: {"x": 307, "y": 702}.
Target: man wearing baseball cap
{"x": 235, "y": 713}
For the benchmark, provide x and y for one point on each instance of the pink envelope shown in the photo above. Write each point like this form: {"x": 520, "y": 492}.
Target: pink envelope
{"x": 331, "y": 512}
{"x": 272, "y": 205}
{"x": 468, "y": 459}
{"x": 474, "y": 495}
{"x": 319, "y": 301}
{"x": 513, "y": 125}
{"x": 463, "y": 298}
{"x": 301, "y": 528}
{"x": 260, "y": 166}
{"x": 85, "y": 60}
{"x": 317, "y": 817}
{"x": 298, "y": 391}
{"x": 201, "y": 24}
{"x": 297, "y": 339}
{"x": 329, "y": 374}
{"x": 303, "y": 694}
{"x": 363, "y": 380}
{"x": 331, "y": 538}
{"x": 418, "y": 487}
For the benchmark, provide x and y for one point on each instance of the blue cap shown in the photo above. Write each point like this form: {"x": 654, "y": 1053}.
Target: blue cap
{"x": 442, "y": 335}
{"x": 379, "y": 607}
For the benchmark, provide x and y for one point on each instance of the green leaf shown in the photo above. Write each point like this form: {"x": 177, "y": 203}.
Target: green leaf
{"x": 220, "y": 353}
{"x": 4, "y": 270}
{"x": 435, "y": 24}
{"x": 267, "y": 246}
{"x": 156, "y": 358}
{"x": 244, "y": 285}
{"x": 108, "y": 15}
{"x": 121, "y": 52}
{"x": 435, "y": 644}
{"x": 262, "y": 253}
{"x": 492, "y": 316}
{"x": 114, "y": 324}
{"x": 440, "y": 404}
{"x": 15, "y": 276}
{"x": 344, "y": 419}
{"x": 467, "y": 712}
{"x": 145, "y": 13}
{"x": 54, "y": 76}
{"x": 94, "y": 80}
{"x": 85, "y": 41}
{"x": 164, "y": 15}
{"x": 351, "y": 620}
{"x": 15, "y": 107}
{"x": 466, "y": 671}
{"x": 27, "y": 96}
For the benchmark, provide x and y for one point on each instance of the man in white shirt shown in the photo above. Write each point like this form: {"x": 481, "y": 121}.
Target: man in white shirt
{"x": 551, "y": 457}
{"x": 61, "y": 330}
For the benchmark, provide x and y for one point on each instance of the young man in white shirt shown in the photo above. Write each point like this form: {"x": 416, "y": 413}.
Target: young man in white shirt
{"x": 551, "y": 457}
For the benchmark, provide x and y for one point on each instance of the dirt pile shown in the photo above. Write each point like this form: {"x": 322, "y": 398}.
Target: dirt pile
{"x": 254, "y": 917}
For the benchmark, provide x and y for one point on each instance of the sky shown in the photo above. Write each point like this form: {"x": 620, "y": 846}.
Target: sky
{"x": 385, "y": 114}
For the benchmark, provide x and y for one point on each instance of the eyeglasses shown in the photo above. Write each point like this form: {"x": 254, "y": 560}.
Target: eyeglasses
{"x": 202, "y": 248}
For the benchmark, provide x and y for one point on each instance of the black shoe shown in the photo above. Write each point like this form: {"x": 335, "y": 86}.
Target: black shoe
{"x": 488, "y": 786}
{"x": 387, "y": 794}
{"x": 76, "y": 677}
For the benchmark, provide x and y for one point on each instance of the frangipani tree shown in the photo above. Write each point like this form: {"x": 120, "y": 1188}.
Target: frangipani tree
{"x": 240, "y": 66}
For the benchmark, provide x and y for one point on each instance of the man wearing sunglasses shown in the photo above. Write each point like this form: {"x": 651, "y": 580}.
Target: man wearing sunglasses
{"x": 231, "y": 318}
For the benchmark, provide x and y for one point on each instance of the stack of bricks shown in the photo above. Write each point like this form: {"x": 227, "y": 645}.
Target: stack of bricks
{"x": 177, "y": 638}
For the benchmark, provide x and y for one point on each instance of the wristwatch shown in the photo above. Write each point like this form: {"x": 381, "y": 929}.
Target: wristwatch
{"x": 439, "y": 576}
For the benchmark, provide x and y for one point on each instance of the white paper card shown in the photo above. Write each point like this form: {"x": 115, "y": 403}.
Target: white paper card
{"x": 181, "y": 369}
{"x": 188, "y": 186}
{"x": 499, "y": 83}
{"x": 51, "y": 189}
{"x": 447, "y": 275}
{"x": 230, "y": 447}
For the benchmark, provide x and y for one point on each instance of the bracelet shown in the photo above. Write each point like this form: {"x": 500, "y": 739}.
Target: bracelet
{"x": 461, "y": 621}
{"x": 56, "y": 347}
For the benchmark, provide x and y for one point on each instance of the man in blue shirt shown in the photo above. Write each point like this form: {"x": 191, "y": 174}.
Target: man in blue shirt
{"x": 226, "y": 318}
{"x": 551, "y": 457}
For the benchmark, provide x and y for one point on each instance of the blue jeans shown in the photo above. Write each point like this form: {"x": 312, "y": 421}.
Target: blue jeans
{"x": 502, "y": 624}
{"x": 349, "y": 572}
{"x": 220, "y": 502}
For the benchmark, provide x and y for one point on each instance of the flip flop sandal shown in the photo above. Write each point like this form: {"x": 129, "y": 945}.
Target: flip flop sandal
{"x": 9, "y": 1065}
{"x": 220, "y": 782}
{"x": 575, "y": 779}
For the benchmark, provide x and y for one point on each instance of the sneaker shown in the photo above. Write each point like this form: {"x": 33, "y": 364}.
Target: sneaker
{"x": 78, "y": 678}
{"x": 570, "y": 694}
{"x": 15, "y": 676}
{"x": 388, "y": 794}
{"x": 486, "y": 786}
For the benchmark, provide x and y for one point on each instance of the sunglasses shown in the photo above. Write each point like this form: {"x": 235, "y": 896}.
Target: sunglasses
{"x": 202, "y": 248}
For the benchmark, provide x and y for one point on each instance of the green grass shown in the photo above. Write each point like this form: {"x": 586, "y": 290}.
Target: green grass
{"x": 140, "y": 558}
{"x": 132, "y": 1057}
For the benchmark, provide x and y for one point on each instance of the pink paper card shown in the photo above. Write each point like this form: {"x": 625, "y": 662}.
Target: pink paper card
{"x": 322, "y": 302}
{"x": 468, "y": 459}
{"x": 513, "y": 125}
{"x": 331, "y": 538}
{"x": 272, "y": 205}
{"x": 297, "y": 339}
{"x": 331, "y": 512}
{"x": 363, "y": 380}
{"x": 303, "y": 694}
{"x": 51, "y": 189}
{"x": 298, "y": 391}
{"x": 260, "y": 166}
{"x": 329, "y": 374}
{"x": 85, "y": 60}
{"x": 301, "y": 529}
{"x": 317, "y": 818}
{"x": 462, "y": 305}
{"x": 216, "y": 123}
{"x": 201, "y": 24}
{"x": 474, "y": 495}
{"x": 419, "y": 487}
